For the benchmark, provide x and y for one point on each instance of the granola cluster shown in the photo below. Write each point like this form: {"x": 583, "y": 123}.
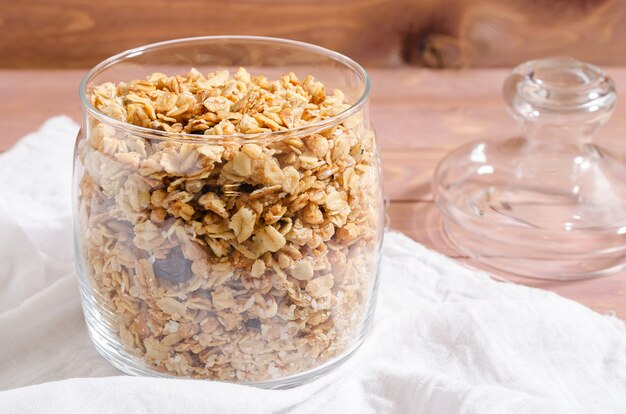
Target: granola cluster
{"x": 239, "y": 258}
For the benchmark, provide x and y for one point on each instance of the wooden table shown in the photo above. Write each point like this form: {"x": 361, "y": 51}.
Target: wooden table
{"x": 419, "y": 114}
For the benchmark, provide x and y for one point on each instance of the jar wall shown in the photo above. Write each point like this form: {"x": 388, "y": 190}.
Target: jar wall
{"x": 228, "y": 259}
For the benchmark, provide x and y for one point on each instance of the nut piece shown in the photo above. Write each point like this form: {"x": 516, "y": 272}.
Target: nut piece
{"x": 242, "y": 164}
{"x": 269, "y": 239}
{"x": 213, "y": 202}
{"x": 336, "y": 200}
{"x": 242, "y": 223}
{"x": 318, "y": 145}
{"x": 291, "y": 180}
{"x": 320, "y": 286}
{"x": 258, "y": 268}
{"x": 302, "y": 270}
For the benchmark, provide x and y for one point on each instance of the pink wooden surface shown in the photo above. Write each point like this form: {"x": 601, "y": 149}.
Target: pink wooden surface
{"x": 419, "y": 115}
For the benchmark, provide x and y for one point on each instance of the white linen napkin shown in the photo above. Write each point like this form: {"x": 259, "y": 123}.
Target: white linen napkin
{"x": 446, "y": 339}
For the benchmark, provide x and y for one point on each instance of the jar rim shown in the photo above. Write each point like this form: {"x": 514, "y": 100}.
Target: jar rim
{"x": 261, "y": 136}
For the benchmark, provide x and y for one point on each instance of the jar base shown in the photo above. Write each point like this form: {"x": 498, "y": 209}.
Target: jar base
{"x": 131, "y": 366}
{"x": 105, "y": 344}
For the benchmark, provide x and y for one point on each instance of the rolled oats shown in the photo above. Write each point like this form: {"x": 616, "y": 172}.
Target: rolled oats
{"x": 303, "y": 270}
{"x": 231, "y": 258}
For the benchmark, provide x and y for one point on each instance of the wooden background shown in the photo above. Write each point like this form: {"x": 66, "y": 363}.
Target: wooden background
{"x": 420, "y": 114}
{"x": 389, "y": 33}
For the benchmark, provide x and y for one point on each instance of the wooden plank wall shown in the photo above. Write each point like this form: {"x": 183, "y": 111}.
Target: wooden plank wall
{"x": 388, "y": 33}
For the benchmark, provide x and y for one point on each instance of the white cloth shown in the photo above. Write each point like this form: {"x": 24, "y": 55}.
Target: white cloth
{"x": 446, "y": 339}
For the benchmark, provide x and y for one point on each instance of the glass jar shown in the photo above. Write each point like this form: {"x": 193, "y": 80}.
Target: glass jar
{"x": 249, "y": 258}
{"x": 549, "y": 202}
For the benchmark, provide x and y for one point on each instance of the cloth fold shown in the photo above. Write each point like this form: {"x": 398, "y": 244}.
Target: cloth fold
{"x": 446, "y": 339}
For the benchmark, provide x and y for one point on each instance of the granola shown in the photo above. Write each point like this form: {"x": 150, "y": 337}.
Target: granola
{"x": 238, "y": 258}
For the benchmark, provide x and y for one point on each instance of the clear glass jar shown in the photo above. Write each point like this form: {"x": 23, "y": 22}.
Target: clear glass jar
{"x": 550, "y": 202}
{"x": 190, "y": 267}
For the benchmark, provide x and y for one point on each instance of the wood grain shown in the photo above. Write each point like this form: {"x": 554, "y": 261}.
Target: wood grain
{"x": 419, "y": 114}
{"x": 451, "y": 33}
